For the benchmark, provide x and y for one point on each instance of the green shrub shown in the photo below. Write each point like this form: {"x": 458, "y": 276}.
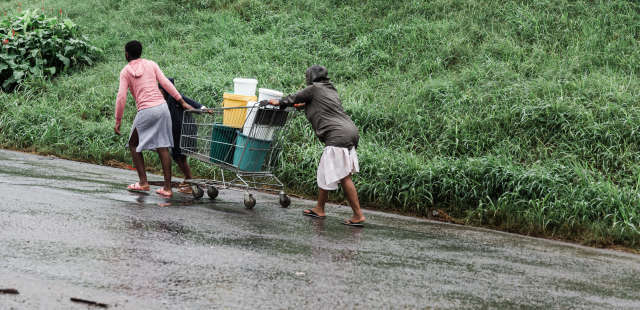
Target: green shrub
{"x": 38, "y": 46}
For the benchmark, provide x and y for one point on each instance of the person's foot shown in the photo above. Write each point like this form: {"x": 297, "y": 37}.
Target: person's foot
{"x": 355, "y": 221}
{"x": 185, "y": 188}
{"x": 139, "y": 187}
{"x": 164, "y": 193}
{"x": 315, "y": 212}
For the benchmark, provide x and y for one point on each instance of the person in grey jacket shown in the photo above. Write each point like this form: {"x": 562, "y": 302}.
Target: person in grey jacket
{"x": 334, "y": 128}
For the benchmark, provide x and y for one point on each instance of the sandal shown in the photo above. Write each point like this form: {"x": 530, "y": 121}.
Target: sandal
{"x": 309, "y": 212}
{"x": 352, "y": 223}
{"x": 163, "y": 193}
{"x": 136, "y": 187}
{"x": 185, "y": 189}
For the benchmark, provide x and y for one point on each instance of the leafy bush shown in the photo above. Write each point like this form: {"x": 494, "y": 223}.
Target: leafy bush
{"x": 35, "y": 45}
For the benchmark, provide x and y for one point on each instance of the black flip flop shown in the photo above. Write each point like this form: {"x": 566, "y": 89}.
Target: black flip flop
{"x": 352, "y": 223}
{"x": 312, "y": 214}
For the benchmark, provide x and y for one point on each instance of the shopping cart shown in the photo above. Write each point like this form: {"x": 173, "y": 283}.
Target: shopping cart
{"x": 241, "y": 143}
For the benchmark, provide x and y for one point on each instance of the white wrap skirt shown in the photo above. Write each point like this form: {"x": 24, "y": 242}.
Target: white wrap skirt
{"x": 336, "y": 163}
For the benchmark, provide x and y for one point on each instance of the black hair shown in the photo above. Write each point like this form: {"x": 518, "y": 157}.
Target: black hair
{"x": 134, "y": 48}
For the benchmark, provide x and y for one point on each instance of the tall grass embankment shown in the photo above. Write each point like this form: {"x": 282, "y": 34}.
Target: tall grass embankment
{"x": 518, "y": 115}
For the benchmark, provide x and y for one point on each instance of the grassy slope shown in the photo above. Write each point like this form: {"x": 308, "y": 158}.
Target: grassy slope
{"x": 521, "y": 115}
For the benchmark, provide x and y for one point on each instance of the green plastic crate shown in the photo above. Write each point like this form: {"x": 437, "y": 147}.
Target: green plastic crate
{"x": 222, "y": 143}
{"x": 250, "y": 153}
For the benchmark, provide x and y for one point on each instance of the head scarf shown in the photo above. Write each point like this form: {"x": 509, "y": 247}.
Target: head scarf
{"x": 316, "y": 73}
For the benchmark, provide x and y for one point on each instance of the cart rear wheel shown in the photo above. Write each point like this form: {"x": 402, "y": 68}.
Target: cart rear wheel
{"x": 249, "y": 201}
{"x": 197, "y": 191}
{"x": 284, "y": 200}
{"x": 212, "y": 192}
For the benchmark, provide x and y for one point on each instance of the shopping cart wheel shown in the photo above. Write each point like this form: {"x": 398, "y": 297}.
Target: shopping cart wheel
{"x": 212, "y": 192}
{"x": 284, "y": 200}
{"x": 249, "y": 201}
{"x": 197, "y": 191}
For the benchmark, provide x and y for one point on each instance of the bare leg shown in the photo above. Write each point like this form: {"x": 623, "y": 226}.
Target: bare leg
{"x": 323, "y": 195}
{"x": 138, "y": 160}
{"x": 352, "y": 196}
{"x": 163, "y": 152}
{"x": 184, "y": 167}
{"x": 183, "y": 164}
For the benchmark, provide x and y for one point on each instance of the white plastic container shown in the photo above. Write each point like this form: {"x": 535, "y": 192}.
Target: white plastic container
{"x": 266, "y": 94}
{"x": 246, "y": 87}
{"x": 262, "y": 132}
{"x": 252, "y": 110}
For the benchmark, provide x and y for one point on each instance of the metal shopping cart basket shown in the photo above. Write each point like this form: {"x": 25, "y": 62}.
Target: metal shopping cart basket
{"x": 242, "y": 145}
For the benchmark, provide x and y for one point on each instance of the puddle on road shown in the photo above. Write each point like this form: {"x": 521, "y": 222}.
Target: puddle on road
{"x": 369, "y": 247}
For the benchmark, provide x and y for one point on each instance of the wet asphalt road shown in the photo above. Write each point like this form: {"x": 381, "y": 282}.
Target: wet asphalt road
{"x": 69, "y": 229}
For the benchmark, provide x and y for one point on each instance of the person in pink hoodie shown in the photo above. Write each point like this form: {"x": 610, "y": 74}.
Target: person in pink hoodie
{"x": 151, "y": 129}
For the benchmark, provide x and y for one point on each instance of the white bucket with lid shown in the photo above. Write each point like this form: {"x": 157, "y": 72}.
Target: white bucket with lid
{"x": 266, "y": 94}
{"x": 246, "y": 87}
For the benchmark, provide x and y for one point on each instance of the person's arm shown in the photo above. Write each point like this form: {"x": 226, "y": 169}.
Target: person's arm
{"x": 191, "y": 102}
{"x": 121, "y": 100}
{"x": 297, "y": 100}
{"x": 169, "y": 88}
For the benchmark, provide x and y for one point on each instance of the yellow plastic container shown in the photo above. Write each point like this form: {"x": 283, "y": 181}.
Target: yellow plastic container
{"x": 235, "y": 117}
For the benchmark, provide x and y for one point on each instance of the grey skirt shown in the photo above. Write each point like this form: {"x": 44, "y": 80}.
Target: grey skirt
{"x": 154, "y": 128}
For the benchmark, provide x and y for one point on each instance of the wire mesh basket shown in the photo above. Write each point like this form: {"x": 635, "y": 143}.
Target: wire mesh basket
{"x": 241, "y": 142}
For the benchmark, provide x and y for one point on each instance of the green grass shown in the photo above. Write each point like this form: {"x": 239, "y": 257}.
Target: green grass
{"x": 519, "y": 115}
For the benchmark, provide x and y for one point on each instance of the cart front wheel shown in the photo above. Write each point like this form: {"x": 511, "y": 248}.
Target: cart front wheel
{"x": 212, "y": 192}
{"x": 249, "y": 201}
{"x": 197, "y": 191}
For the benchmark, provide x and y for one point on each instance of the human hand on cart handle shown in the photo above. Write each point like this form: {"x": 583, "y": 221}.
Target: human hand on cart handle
{"x": 206, "y": 110}
{"x": 276, "y": 102}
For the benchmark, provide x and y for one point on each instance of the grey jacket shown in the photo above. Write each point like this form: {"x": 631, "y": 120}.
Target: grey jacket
{"x": 324, "y": 111}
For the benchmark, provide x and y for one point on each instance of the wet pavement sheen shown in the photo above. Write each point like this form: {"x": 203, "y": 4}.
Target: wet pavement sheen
{"x": 70, "y": 229}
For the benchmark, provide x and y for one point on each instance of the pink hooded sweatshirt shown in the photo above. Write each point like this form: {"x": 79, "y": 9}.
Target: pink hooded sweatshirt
{"x": 142, "y": 76}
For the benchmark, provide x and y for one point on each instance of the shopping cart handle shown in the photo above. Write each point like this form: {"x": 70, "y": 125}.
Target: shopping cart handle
{"x": 265, "y": 103}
